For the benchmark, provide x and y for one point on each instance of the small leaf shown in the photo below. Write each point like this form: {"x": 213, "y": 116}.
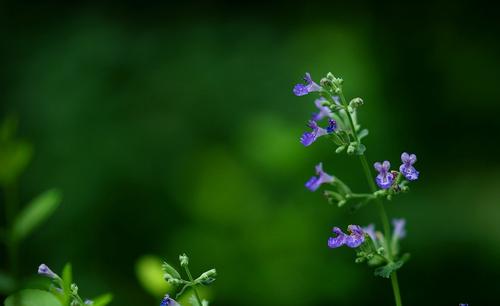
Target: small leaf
{"x": 103, "y": 300}
{"x": 67, "y": 278}
{"x": 14, "y": 157}
{"x": 35, "y": 213}
{"x": 362, "y": 134}
{"x": 32, "y": 297}
{"x": 168, "y": 269}
{"x": 386, "y": 271}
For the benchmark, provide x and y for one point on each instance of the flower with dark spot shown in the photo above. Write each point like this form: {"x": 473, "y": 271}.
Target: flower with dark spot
{"x": 384, "y": 178}
{"x": 407, "y": 168}
{"x": 309, "y": 86}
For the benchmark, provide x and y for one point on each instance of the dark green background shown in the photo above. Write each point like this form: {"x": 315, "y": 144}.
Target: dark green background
{"x": 172, "y": 128}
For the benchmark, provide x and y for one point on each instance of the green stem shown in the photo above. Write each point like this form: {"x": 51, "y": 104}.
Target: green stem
{"x": 194, "y": 286}
{"x": 380, "y": 205}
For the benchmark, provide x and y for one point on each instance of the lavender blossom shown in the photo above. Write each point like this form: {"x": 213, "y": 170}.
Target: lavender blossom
{"x": 168, "y": 301}
{"x": 322, "y": 177}
{"x": 44, "y": 270}
{"x": 357, "y": 236}
{"x": 324, "y": 111}
{"x": 353, "y": 240}
{"x": 384, "y": 178}
{"x": 399, "y": 228}
{"x": 309, "y": 137}
{"x": 407, "y": 168}
{"x": 309, "y": 86}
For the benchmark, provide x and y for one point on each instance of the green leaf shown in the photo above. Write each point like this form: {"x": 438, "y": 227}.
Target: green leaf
{"x": 362, "y": 134}
{"x": 67, "y": 279}
{"x": 7, "y": 283}
{"x": 386, "y": 271}
{"x": 149, "y": 271}
{"x": 14, "y": 157}
{"x": 103, "y": 300}
{"x": 35, "y": 213}
{"x": 32, "y": 297}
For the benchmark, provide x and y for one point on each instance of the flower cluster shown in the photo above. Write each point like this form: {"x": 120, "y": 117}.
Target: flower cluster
{"x": 375, "y": 248}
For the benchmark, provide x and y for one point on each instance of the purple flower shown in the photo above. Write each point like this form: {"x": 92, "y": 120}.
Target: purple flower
{"x": 309, "y": 86}
{"x": 384, "y": 178}
{"x": 335, "y": 242}
{"x": 44, "y": 270}
{"x": 168, "y": 301}
{"x": 324, "y": 111}
{"x": 322, "y": 177}
{"x": 399, "y": 228}
{"x": 353, "y": 240}
{"x": 357, "y": 236}
{"x": 88, "y": 302}
{"x": 407, "y": 168}
{"x": 309, "y": 137}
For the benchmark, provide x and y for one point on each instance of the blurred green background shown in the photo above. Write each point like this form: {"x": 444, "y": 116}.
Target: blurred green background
{"x": 172, "y": 128}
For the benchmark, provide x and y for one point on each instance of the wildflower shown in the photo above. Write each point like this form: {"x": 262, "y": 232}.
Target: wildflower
{"x": 399, "y": 228}
{"x": 353, "y": 240}
{"x": 324, "y": 111}
{"x": 168, "y": 301}
{"x": 309, "y": 137}
{"x": 314, "y": 182}
{"x": 44, "y": 270}
{"x": 304, "y": 89}
{"x": 384, "y": 178}
{"x": 407, "y": 168}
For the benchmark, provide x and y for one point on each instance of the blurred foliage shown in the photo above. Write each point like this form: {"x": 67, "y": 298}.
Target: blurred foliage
{"x": 173, "y": 128}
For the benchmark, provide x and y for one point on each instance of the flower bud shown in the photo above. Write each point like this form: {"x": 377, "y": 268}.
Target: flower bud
{"x": 207, "y": 277}
{"x": 74, "y": 289}
{"x": 184, "y": 259}
{"x": 44, "y": 270}
{"x": 356, "y": 102}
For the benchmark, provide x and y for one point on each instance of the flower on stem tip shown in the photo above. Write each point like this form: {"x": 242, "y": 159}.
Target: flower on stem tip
{"x": 168, "y": 301}
{"x": 309, "y": 86}
{"x": 309, "y": 137}
{"x": 384, "y": 178}
{"x": 44, "y": 270}
{"x": 322, "y": 177}
{"x": 353, "y": 240}
{"x": 407, "y": 168}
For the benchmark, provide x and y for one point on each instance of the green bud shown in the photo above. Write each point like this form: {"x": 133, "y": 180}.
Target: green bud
{"x": 75, "y": 303}
{"x": 170, "y": 272}
{"x": 351, "y": 149}
{"x": 74, "y": 289}
{"x": 207, "y": 277}
{"x": 184, "y": 259}
{"x": 340, "y": 149}
{"x": 326, "y": 83}
{"x": 174, "y": 281}
{"x": 338, "y": 90}
{"x": 355, "y": 103}
{"x": 330, "y": 76}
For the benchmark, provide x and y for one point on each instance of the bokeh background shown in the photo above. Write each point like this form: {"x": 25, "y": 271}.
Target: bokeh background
{"x": 172, "y": 128}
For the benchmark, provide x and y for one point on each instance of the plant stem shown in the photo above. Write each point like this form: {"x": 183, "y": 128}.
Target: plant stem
{"x": 194, "y": 286}
{"x": 380, "y": 205}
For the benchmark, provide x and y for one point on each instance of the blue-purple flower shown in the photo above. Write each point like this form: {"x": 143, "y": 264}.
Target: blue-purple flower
{"x": 399, "y": 228}
{"x": 332, "y": 126}
{"x": 44, "y": 270}
{"x": 324, "y": 110}
{"x": 353, "y": 240}
{"x": 384, "y": 178}
{"x": 407, "y": 168}
{"x": 309, "y": 137}
{"x": 322, "y": 177}
{"x": 168, "y": 301}
{"x": 309, "y": 86}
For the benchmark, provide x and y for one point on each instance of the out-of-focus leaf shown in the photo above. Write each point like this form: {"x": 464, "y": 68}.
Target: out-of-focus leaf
{"x": 35, "y": 213}
{"x": 149, "y": 271}
{"x": 14, "y": 157}
{"x": 32, "y": 297}
{"x": 103, "y": 300}
{"x": 7, "y": 283}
